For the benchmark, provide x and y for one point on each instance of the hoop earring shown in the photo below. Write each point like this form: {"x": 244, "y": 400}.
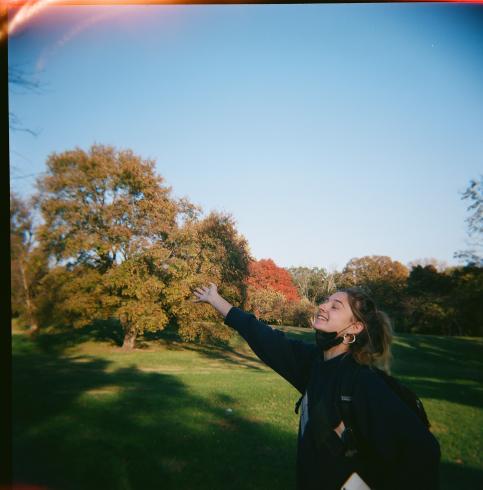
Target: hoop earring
{"x": 345, "y": 341}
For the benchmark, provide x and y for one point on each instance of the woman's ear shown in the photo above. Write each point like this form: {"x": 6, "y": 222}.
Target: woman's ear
{"x": 357, "y": 328}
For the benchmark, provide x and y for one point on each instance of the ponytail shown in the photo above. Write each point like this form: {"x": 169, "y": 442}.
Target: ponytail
{"x": 373, "y": 345}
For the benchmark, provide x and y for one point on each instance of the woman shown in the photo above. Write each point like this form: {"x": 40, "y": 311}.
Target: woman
{"x": 393, "y": 448}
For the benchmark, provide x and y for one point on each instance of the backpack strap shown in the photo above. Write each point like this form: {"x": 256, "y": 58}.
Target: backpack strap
{"x": 349, "y": 372}
{"x": 314, "y": 365}
{"x": 323, "y": 434}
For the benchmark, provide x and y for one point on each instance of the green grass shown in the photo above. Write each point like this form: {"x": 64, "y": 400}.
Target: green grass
{"x": 181, "y": 416}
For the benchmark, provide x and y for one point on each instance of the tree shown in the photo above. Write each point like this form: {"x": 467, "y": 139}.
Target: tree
{"x": 426, "y": 304}
{"x": 384, "y": 278}
{"x": 18, "y": 78}
{"x": 313, "y": 284}
{"x": 427, "y": 280}
{"x": 465, "y": 300}
{"x": 265, "y": 274}
{"x": 129, "y": 250}
{"x": 106, "y": 217}
{"x": 28, "y": 263}
{"x": 474, "y": 193}
{"x": 300, "y": 314}
{"x": 267, "y": 304}
{"x": 447, "y": 302}
{"x": 373, "y": 269}
{"x": 439, "y": 265}
{"x": 206, "y": 250}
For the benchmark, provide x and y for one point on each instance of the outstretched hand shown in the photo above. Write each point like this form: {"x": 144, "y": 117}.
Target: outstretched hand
{"x": 206, "y": 293}
{"x": 209, "y": 294}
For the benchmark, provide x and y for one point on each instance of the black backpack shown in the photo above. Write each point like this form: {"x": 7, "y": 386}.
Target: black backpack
{"x": 351, "y": 441}
{"x": 348, "y": 374}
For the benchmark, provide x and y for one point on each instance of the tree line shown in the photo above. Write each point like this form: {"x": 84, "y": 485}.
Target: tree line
{"x": 103, "y": 239}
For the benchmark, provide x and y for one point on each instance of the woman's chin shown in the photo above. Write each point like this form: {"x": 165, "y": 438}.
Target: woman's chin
{"x": 320, "y": 328}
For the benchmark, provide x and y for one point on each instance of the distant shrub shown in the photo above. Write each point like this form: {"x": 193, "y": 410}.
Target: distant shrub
{"x": 300, "y": 314}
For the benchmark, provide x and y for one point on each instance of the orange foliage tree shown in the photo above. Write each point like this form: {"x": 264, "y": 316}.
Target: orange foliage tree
{"x": 265, "y": 274}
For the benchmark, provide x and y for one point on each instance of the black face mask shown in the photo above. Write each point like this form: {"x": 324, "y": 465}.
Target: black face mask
{"x": 326, "y": 340}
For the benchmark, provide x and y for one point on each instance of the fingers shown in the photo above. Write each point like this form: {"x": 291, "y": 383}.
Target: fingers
{"x": 205, "y": 289}
{"x": 202, "y": 292}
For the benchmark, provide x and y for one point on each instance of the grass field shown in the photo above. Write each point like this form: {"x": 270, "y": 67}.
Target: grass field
{"x": 181, "y": 416}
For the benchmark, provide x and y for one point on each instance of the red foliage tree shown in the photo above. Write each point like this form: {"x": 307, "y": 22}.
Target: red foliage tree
{"x": 265, "y": 274}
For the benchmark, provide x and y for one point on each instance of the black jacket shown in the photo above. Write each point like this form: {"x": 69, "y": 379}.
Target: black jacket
{"x": 400, "y": 452}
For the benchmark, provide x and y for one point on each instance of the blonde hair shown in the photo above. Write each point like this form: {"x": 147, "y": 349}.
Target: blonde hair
{"x": 373, "y": 345}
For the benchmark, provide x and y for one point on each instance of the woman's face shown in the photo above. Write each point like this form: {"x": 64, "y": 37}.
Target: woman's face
{"x": 334, "y": 314}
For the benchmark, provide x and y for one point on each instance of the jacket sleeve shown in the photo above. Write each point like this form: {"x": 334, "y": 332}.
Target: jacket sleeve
{"x": 292, "y": 359}
{"x": 408, "y": 453}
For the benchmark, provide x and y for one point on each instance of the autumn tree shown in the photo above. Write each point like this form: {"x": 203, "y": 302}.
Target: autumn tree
{"x": 271, "y": 292}
{"x": 267, "y": 304}
{"x": 203, "y": 250}
{"x": 265, "y": 274}
{"x": 384, "y": 278}
{"x": 106, "y": 216}
{"x": 126, "y": 249}
{"x": 370, "y": 270}
{"x": 28, "y": 263}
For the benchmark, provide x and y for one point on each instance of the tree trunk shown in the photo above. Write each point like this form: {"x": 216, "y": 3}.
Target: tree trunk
{"x": 130, "y": 333}
{"x": 30, "y": 308}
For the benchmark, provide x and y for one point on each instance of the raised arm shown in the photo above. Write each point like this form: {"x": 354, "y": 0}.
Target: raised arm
{"x": 292, "y": 359}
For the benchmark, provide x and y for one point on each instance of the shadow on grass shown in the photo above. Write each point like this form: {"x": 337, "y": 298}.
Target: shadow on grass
{"x": 228, "y": 355}
{"x": 456, "y": 364}
{"x": 59, "y": 339}
{"x": 79, "y": 424}
{"x": 454, "y": 476}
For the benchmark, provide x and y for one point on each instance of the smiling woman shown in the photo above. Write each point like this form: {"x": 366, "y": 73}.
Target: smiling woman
{"x": 385, "y": 442}
{"x": 367, "y": 330}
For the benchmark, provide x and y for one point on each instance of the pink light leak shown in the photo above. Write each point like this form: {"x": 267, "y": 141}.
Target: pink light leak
{"x": 29, "y": 8}
{"x": 25, "y": 12}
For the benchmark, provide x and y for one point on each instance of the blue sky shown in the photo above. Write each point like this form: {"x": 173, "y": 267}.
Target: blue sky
{"x": 328, "y": 131}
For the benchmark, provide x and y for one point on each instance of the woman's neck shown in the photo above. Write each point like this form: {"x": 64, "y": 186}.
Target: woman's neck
{"x": 335, "y": 351}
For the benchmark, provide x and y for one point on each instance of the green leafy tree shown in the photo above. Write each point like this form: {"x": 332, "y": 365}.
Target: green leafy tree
{"x": 439, "y": 265}
{"x": 426, "y": 305}
{"x": 465, "y": 300}
{"x": 447, "y": 302}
